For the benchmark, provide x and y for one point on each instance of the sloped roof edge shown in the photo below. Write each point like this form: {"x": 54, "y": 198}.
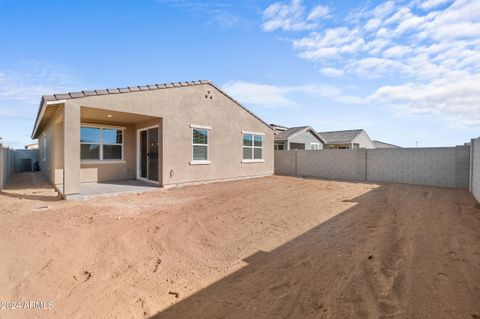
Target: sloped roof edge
{"x": 60, "y": 97}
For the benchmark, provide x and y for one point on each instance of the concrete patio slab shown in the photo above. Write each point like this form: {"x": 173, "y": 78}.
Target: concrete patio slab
{"x": 110, "y": 188}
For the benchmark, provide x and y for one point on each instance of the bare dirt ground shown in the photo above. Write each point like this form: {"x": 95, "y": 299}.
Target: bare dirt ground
{"x": 275, "y": 247}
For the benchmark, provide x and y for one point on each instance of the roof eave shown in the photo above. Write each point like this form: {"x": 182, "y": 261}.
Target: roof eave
{"x": 41, "y": 111}
{"x": 44, "y": 103}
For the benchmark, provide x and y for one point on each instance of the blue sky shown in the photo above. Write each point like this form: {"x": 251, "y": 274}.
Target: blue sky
{"x": 406, "y": 71}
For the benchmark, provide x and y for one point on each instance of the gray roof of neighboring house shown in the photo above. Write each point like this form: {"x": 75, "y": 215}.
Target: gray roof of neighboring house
{"x": 380, "y": 144}
{"x": 278, "y": 127}
{"x": 292, "y": 131}
{"x": 337, "y": 137}
{"x": 131, "y": 89}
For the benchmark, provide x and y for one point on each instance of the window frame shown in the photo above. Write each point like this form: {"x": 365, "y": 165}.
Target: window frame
{"x": 203, "y": 128}
{"x": 253, "y": 147}
{"x": 101, "y": 144}
{"x": 314, "y": 146}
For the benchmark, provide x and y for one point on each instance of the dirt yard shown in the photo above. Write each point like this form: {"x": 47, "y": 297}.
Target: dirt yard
{"x": 275, "y": 247}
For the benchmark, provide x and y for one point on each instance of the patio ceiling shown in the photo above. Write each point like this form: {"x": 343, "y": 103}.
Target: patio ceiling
{"x": 95, "y": 115}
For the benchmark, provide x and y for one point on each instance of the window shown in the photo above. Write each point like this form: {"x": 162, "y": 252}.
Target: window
{"x": 314, "y": 146}
{"x": 278, "y": 147}
{"x": 101, "y": 143}
{"x": 252, "y": 146}
{"x": 200, "y": 145}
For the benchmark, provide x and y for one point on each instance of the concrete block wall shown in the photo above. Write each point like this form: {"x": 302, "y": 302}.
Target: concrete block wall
{"x": 446, "y": 166}
{"x": 7, "y": 165}
{"x": 285, "y": 163}
{"x": 424, "y": 166}
{"x": 337, "y": 164}
{"x": 475, "y": 168}
{"x": 462, "y": 166}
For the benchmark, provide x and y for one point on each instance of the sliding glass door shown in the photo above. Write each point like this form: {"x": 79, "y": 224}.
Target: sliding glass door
{"x": 148, "y": 154}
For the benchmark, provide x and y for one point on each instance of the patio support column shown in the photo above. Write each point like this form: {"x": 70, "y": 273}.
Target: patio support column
{"x": 71, "y": 148}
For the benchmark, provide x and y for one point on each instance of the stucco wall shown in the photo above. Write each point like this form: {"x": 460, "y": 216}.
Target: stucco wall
{"x": 51, "y": 157}
{"x": 363, "y": 140}
{"x": 179, "y": 108}
{"x": 475, "y": 168}
{"x": 447, "y": 166}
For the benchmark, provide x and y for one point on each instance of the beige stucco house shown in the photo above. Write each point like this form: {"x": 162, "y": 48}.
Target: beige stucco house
{"x": 166, "y": 134}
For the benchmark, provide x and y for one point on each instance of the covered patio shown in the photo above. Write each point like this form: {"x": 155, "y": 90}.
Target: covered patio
{"x": 93, "y": 150}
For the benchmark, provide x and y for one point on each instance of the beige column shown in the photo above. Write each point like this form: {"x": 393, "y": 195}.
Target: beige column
{"x": 71, "y": 148}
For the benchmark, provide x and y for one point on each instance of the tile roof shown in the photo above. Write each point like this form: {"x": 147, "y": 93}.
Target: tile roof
{"x": 284, "y": 135}
{"x": 292, "y": 131}
{"x": 278, "y": 127}
{"x": 336, "y": 137}
{"x": 380, "y": 144}
{"x": 129, "y": 89}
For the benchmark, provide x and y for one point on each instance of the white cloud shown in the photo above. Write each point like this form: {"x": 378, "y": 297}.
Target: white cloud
{"x": 430, "y": 4}
{"x": 33, "y": 81}
{"x": 458, "y": 100}
{"x": 427, "y": 49}
{"x": 318, "y": 12}
{"x": 226, "y": 19}
{"x": 292, "y": 16}
{"x": 374, "y": 67}
{"x": 271, "y": 96}
{"x": 263, "y": 95}
{"x": 372, "y": 24}
{"x": 397, "y": 51}
{"x": 329, "y": 44}
{"x": 332, "y": 72}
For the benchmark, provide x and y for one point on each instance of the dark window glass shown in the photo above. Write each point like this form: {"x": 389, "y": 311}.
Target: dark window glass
{"x": 90, "y": 151}
{"x": 257, "y": 153}
{"x": 200, "y": 153}
{"x": 247, "y": 153}
{"x": 112, "y": 152}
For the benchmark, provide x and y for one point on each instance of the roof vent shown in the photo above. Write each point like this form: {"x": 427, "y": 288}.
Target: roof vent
{"x": 209, "y": 95}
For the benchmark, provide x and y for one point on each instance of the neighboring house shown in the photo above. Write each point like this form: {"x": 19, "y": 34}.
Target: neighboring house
{"x": 297, "y": 138}
{"x": 379, "y": 144}
{"x": 26, "y": 160}
{"x": 167, "y": 134}
{"x": 348, "y": 139}
{"x": 33, "y": 146}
